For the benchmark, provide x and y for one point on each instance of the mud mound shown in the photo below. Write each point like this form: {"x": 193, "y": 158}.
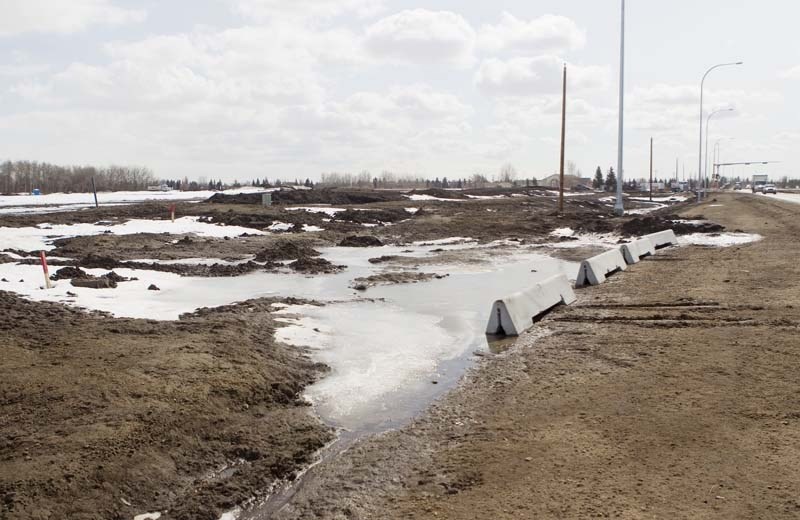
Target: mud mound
{"x": 440, "y": 193}
{"x": 316, "y": 196}
{"x": 361, "y": 241}
{"x": 69, "y": 273}
{"x": 206, "y": 271}
{"x": 94, "y": 282}
{"x": 286, "y": 250}
{"x": 646, "y": 225}
{"x": 314, "y": 266}
{"x": 382, "y": 259}
{"x": 334, "y": 196}
{"x": 363, "y": 283}
{"x": 376, "y": 216}
{"x": 92, "y": 261}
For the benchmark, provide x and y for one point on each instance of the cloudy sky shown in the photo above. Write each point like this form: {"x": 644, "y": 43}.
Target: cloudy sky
{"x": 292, "y": 88}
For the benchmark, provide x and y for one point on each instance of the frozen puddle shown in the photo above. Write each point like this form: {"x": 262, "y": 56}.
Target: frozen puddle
{"x": 385, "y": 347}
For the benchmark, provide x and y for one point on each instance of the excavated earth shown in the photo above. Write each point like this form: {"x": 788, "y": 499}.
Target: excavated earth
{"x": 108, "y": 417}
{"x": 670, "y": 391}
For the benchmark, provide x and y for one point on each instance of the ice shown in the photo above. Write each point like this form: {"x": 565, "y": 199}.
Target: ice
{"x": 384, "y": 352}
{"x": 718, "y": 239}
{"x": 41, "y": 237}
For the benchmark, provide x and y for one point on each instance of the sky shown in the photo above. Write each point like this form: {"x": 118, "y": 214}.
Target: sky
{"x": 242, "y": 89}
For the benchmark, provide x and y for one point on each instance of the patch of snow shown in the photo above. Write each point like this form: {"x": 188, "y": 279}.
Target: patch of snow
{"x": 53, "y": 202}
{"x": 412, "y": 210}
{"x": 41, "y": 237}
{"x": 312, "y": 229}
{"x": 148, "y": 516}
{"x": 317, "y": 209}
{"x": 280, "y": 226}
{"x": 444, "y": 241}
{"x": 563, "y": 232}
{"x": 718, "y": 239}
{"x": 420, "y": 197}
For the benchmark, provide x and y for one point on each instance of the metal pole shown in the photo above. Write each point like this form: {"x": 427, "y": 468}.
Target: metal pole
{"x": 619, "y": 209}
{"x": 651, "y": 169}
{"x": 94, "y": 190}
{"x": 563, "y": 135}
{"x": 700, "y": 140}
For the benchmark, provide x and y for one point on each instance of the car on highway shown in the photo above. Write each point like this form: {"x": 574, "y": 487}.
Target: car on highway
{"x": 769, "y": 188}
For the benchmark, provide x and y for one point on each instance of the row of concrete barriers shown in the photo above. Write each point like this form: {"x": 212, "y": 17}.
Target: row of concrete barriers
{"x": 513, "y": 315}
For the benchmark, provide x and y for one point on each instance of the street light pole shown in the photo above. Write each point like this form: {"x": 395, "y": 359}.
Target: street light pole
{"x": 712, "y": 114}
{"x": 700, "y": 140}
{"x": 619, "y": 209}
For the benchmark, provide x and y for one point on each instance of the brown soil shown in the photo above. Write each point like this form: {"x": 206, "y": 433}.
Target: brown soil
{"x": 286, "y": 250}
{"x": 310, "y": 265}
{"x": 361, "y": 241}
{"x": 392, "y": 278}
{"x": 109, "y": 418}
{"x": 670, "y": 391}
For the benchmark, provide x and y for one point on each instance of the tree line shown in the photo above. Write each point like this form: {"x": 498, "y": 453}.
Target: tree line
{"x": 25, "y": 176}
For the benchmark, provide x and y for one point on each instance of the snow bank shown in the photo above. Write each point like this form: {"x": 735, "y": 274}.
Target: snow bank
{"x": 41, "y": 237}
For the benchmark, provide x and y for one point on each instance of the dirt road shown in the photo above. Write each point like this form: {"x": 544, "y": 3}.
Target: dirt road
{"x": 669, "y": 392}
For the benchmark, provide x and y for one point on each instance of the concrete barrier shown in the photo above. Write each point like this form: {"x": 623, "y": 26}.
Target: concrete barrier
{"x": 515, "y": 314}
{"x": 634, "y": 251}
{"x": 662, "y": 239}
{"x": 595, "y": 270}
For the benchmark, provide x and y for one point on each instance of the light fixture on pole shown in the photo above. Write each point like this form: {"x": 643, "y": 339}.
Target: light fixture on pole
{"x": 619, "y": 209}
{"x": 712, "y": 114}
{"x": 700, "y": 140}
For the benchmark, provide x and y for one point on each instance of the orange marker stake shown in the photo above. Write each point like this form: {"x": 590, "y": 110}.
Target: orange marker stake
{"x": 46, "y": 272}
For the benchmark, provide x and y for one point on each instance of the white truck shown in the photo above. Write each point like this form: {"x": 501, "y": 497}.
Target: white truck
{"x": 758, "y": 181}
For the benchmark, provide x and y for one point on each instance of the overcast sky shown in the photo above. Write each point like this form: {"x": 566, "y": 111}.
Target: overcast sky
{"x": 292, "y": 88}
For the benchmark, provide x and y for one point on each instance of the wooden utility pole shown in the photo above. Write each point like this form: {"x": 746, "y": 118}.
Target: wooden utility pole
{"x": 563, "y": 135}
{"x": 651, "y": 169}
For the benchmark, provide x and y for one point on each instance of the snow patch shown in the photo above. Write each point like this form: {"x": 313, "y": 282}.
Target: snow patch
{"x": 718, "y": 239}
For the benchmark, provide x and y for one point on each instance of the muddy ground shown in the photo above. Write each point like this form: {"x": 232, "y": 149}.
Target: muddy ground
{"x": 108, "y": 418}
{"x": 668, "y": 392}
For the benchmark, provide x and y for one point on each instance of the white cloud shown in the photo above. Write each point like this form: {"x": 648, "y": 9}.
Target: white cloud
{"x": 547, "y": 33}
{"x": 523, "y": 77}
{"x": 266, "y": 10}
{"x": 420, "y": 36}
{"x": 61, "y": 16}
{"x": 792, "y": 73}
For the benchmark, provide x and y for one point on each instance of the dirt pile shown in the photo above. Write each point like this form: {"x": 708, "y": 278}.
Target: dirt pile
{"x": 311, "y": 265}
{"x": 80, "y": 278}
{"x": 384, "y": 258}
{"x": 118, "y": 417}
{"x": 315, "y": 196}
{"x": 645, "y": 225}
{"x": 286, "y": 250}
{"x": 364, "y": 283}
{"x": 376, "y": 216}
{"x": 361, "y": 241}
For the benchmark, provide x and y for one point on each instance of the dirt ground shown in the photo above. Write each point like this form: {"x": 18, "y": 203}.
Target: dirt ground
{"x": 671, "y": 391}
{"x": 107, "y": 418}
